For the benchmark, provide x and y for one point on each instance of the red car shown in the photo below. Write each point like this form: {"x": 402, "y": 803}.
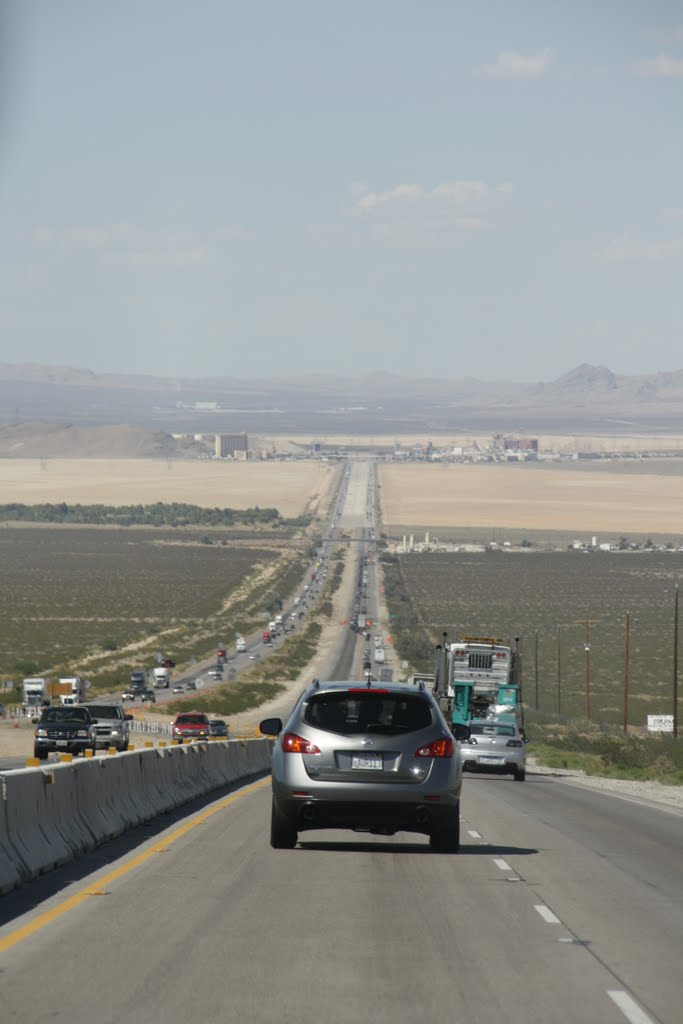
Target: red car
{"x": 190, "y": 725}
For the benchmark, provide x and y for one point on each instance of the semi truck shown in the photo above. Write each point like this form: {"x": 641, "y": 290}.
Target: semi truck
{"x": 162, "y": 677}
{"x": 40, "y": 692}
{"x": 477, "y": 677}
{"x": 71, "y": 689}
{"x": 240, "y": 645}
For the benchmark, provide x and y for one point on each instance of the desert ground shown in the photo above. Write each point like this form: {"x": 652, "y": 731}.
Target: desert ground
{"x": 290, "y": 487}
{"x": 530, "y": 497}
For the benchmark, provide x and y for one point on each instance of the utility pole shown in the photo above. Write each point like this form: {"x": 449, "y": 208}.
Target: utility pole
{"x": 676, "y": 663}
{"x": 536, "y": 665}
{"x": 627, "y": 631}
{"x": 587, "y": 623}
{"x": 559, "y": 670}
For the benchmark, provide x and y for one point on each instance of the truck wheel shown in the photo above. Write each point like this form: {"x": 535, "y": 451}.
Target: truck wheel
{"x": 283, "y": 835}
{"x": 446, "y": 837}
{"x": 40, "y": 753}
{"x": 520, "y": 775}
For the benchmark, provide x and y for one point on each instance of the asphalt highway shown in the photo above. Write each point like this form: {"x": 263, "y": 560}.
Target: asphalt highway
{"x": 562, "y": 906}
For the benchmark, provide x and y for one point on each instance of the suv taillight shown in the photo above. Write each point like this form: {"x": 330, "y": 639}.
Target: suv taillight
{"x": 515, "y": 743}
{"x": 437, "y": 748}
{"x": 293, "y": 744}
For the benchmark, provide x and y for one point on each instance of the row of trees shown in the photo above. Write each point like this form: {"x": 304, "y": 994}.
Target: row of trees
{"x": 157, "y": 514}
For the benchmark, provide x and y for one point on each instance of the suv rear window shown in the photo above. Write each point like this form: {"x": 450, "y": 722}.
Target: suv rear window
{"x": 492, "y": 730}
{"x": 105, "y": 710}
{"x": 350, "y": 713}
{"x": 189, "y": 719}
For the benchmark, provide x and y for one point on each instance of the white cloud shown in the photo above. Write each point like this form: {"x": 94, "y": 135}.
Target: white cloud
{"x": 452, "y": 194}
{"x": 512, "y": 64}
{"x": 174, "y": 258}
{"x": 629, "y": 250}
{"x": 661, "y": 66}
{"x": 103, "y": 236}
{"x": 668, "y": 35}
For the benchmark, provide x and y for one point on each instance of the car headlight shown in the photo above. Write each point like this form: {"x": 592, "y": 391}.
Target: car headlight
{"x": 41, "y": 732}
{"x": 82, "y": 732}
{"x": 115, "y": 732}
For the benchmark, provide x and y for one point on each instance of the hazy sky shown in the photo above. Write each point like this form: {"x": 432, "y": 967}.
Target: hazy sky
{"x": 250, "y": 187}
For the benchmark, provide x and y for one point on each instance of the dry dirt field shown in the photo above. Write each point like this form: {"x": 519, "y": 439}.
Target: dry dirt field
{"x": 517, "y": 496}
{"x": 288, "y": 486}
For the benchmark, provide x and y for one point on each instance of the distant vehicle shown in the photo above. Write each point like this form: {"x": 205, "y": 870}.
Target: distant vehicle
{"x": 217, "y": 727}
{"x": 240, "y": 645}
{"x": 190, "y": 725}
{"x": 112, "y": 729}
{"x": 128, "y": 695}
{"x": 149, "y": 695}
{"x": 71, "y": 729}
{"x": 191, "y": 685}
{"x": 495, "y": 745}
{"x": 162, "y": 677}
{"x": 138, "y": 680}
{"x": 267, "y": 636}
{"x": 179, "y": 689}
{"x": 221, "y": 655}
{"x": 216, "y": 672}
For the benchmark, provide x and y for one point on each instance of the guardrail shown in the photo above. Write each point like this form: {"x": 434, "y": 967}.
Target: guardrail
{"x": 49, "y": 816}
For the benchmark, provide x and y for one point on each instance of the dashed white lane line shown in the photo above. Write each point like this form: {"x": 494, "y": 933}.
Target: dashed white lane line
{"x": 629, "y": 1007}
{"x": 475, "y": 835}
{"x": 546, "y": 913}
{"x": 502, "y": 864}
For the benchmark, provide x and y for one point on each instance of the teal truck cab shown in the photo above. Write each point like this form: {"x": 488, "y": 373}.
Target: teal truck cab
{"x": 478, "y": 677}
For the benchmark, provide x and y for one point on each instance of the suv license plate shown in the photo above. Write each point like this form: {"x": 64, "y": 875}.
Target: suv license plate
{"x": 372, "y": 762}
{"x": 492, "y": 760}
{"x": 62, "y": 743}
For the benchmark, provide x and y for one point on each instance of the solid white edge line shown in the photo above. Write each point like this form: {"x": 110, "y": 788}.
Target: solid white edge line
{"x": 629, "y": 1007}
{"x": 475, "y": 835}
{"x": 502, "y": 864}
{"x": 546, "y": 913}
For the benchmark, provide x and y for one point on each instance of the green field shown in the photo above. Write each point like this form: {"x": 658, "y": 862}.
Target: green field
{"x": 541, "y": 597}
{"x": 73, "y": 599}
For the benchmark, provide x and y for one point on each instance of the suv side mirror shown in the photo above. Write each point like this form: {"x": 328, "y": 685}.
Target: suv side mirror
{"x": 460, "y": 731}
{"x": 271, "y": 726}
{"x": 128, "y": 718}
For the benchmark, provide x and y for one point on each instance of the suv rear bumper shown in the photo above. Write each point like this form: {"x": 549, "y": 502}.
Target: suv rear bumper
{"x": 379, "y": 817}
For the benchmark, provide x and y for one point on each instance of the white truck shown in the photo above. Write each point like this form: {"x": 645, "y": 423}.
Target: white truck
{"x": 72, "y": 689}
{"x": 35, "y": 694}
{"x": 240, "y": 645}
{"x": 162, "y": 677}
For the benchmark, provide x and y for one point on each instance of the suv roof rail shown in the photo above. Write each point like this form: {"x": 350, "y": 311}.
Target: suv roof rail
{"x": 316, "y": 683}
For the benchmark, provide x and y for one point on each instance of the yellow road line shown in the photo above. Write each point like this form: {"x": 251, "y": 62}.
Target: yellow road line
{"x": 161, "y": 847}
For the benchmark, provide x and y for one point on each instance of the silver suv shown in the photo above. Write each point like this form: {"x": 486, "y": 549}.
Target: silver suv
{"x": 370, "y": 757}
{"x": 495, "y": 745}
{"x": 112, "y": 729}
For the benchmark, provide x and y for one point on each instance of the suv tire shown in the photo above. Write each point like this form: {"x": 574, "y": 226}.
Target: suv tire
{"x": 520, "y": 775}
{"x": 40, "y": 753}
{"x": 446, "y": 837}
{"x": 283, "y": 835}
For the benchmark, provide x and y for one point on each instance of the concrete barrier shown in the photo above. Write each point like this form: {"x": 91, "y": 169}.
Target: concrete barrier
{"x": 10, "y": 875}
{"x": 49, "y": 816}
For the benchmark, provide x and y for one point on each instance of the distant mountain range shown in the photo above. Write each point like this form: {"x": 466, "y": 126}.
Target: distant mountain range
{"x": 587, "y": 400}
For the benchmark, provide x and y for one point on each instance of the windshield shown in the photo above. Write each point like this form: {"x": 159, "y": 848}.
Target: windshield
{"x": 191, "y": 720}
{"x": 67, "y": 714}
{"x": 349, "y": 713}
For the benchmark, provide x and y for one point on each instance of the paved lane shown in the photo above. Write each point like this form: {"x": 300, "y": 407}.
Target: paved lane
{"x": 215, "y": 925}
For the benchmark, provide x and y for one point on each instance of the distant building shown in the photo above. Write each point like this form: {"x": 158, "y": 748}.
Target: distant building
{"x": 521, "y": 444}
{"x": 228, "y": 444}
